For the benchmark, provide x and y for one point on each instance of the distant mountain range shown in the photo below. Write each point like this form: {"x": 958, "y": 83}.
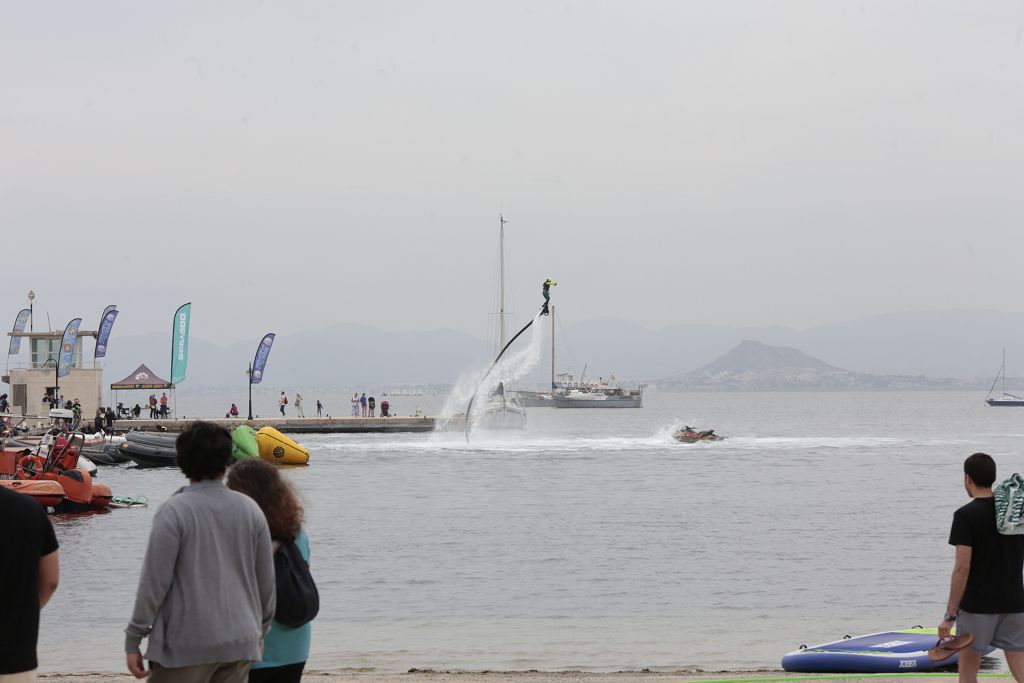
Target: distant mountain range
{"x": 959, "y": 344}
{"x": 753, "y": 366}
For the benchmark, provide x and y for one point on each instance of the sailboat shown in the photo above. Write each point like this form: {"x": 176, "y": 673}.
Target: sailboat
{"x": 502, "y": 409}
{"x": 1007, "y": 400}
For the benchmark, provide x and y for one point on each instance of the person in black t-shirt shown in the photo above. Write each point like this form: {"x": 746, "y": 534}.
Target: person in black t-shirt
{"x": 986, "y": 594}
{"x": 29, "y": 569}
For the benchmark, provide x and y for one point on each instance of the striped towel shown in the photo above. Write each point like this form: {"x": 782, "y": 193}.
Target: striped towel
{"x": 1009, "y": 501}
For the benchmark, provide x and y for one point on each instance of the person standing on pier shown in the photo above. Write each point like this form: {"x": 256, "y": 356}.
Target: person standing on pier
{"x": 371, "y": 403}
{"x": 164, "y": 410}
{"x": 282, "y": 402}
{"x": 362, "y": 404}
{"x": 298, "y": 405}
{"x": 319, "y": 408}
{"x": 355, "y": 404}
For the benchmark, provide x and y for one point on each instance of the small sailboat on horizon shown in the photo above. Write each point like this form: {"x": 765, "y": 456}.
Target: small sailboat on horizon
{"x": 1007, "y": 400}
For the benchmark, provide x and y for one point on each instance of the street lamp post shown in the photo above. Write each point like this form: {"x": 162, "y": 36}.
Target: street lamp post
{"x": 31, "y": 298}
{"x": 249, "y": 372}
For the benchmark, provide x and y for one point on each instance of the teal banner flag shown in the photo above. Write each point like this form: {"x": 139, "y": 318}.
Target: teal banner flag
{"x": 19, "y": 326}
{"x": 67, "y": 348}
{"x": 179, "y": 343}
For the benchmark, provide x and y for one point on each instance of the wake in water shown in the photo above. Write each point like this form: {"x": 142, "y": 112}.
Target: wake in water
{"x": 485, "y": 381}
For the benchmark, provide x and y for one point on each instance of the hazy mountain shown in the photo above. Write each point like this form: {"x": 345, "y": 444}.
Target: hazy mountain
{"x": 753, "y": 366}
{"x": 933, "y": 343}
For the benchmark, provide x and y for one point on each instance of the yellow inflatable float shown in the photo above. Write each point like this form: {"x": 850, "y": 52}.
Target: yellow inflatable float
{"x": 276, "y": 447}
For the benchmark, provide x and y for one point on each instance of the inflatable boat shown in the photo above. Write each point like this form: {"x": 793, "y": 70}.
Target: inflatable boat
{"x": 244, "y": 443}
{"x": 55, "y": 475}
{"x": 278, "y": 448}
{"x": 150, "y": 449}
{"x": 900, "y": 651}
{"x": 108, "y": 454}
{"x": 46, "y": 492}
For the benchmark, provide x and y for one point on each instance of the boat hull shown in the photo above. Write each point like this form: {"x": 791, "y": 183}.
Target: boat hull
{"x": 46, "y": 492}
{"x": 607, "y": 402}
{"x": 1005, "y": 402}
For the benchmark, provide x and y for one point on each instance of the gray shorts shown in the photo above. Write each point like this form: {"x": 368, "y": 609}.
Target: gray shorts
{"x": 1003, "y": 631}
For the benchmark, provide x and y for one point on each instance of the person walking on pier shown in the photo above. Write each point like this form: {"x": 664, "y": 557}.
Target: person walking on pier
{"x": 298, "y": 405}
{"x": 282, "y": 402}
{"x": 319, "y": 408}
{"x": 362, "y": 404}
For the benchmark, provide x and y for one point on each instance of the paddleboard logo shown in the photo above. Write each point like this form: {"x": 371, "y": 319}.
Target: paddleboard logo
{"x": 908, "y": 663}
{"x": 278, "y": 451}
{"x": 890, "y": 645}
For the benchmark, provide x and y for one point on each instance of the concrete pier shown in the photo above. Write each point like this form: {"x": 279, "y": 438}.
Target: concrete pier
{"x": 302, "y": 425}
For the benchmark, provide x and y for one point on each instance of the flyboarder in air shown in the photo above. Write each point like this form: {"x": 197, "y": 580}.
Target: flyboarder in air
{"x": 548, "y": 284}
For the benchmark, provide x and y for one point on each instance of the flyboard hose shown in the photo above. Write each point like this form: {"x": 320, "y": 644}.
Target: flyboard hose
{"x": 544, "y": 311}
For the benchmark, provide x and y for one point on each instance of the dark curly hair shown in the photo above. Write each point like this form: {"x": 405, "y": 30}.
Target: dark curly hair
{"x": 280, "y": 503}
{"x": 204, "y": 451}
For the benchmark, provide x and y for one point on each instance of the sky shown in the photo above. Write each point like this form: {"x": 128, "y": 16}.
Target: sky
{"x": 292, "y": 165}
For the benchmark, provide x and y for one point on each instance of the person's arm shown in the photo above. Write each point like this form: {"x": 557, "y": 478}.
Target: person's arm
{"x": 49, "y": 577}
{"x": 957, "y": 585}
{"x": 154, "y": 582}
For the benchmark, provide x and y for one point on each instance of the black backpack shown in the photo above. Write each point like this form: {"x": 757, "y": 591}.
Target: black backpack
{"x": 298, "y": 600}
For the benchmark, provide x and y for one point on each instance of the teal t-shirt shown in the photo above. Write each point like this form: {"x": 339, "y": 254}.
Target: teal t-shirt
{"x": 285, "y": 645}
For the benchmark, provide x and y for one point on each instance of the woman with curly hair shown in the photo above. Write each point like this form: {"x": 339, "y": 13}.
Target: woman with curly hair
{"x": 285, "y": 649}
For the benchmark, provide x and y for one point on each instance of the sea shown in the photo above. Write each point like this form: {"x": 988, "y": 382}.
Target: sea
{"x": 592, "y": 540}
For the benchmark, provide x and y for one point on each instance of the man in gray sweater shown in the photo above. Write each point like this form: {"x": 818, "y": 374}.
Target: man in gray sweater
{"x": 206, "y": 594}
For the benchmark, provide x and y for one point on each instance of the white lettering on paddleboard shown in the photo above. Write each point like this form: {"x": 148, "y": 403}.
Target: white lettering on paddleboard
{"x": 891, "y": 644}
{"x": 908, "y": 663}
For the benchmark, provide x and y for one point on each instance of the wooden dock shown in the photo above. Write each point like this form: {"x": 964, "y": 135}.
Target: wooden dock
{"x": 303, "y": 425}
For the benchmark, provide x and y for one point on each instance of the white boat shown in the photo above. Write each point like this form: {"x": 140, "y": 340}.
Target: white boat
{"x": 1006, "y": 400}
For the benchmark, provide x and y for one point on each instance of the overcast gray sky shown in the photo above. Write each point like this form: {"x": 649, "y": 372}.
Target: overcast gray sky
{"x": 287, "y": 165}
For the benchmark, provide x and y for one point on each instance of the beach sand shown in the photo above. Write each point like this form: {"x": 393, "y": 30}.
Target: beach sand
{"x": 421, "y": 676}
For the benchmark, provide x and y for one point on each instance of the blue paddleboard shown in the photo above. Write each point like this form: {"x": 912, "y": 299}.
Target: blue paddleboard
{"x": 886, "y": 652}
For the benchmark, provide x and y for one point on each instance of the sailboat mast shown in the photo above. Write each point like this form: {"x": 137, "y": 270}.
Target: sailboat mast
{"x": 501, "y": 281}
{"x": 1004, "y": 371}
{"x": 552, "y": 350}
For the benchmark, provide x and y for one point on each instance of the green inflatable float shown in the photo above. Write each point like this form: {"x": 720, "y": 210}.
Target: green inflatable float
{"x": 243, "y": 440}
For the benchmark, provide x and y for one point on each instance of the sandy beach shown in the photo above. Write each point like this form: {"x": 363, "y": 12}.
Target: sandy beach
{"x": 420, "y": 676}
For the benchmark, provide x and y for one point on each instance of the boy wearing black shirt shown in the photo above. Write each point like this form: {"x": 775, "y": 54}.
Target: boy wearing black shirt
{"x": 986, "y": 595}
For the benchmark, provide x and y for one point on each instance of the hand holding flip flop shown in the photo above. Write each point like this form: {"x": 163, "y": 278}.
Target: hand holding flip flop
{"x": 949, "y": 646}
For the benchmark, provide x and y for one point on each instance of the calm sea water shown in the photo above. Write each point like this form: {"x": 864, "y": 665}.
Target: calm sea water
{"x": 592, "y": 540}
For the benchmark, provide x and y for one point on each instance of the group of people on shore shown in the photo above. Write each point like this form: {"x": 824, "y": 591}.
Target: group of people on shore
{"x": 225, "y": 593}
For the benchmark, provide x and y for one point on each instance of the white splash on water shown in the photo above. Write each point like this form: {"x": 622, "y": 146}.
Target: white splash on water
{"x": 512, "y": 366}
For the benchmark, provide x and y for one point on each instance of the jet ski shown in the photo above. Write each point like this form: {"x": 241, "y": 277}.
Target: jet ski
{"x": 690, "y": 435}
